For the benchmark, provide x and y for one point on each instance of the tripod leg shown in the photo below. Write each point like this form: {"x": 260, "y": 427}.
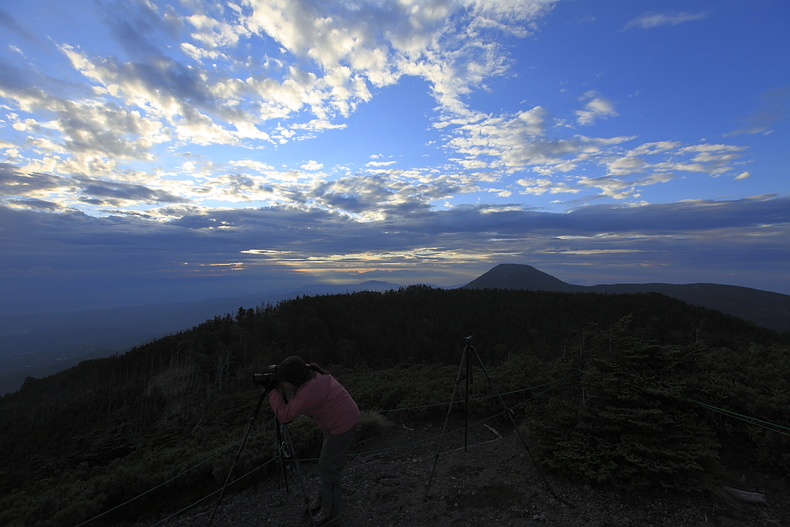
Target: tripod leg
{"x": 513, "y": 422}
{"x": 466, "y": 403}
{"x": 238, "y": 454}
{"x": 287, "y": 434}
{"x": 444, "y": 428}
{"x": 279, "y": 458}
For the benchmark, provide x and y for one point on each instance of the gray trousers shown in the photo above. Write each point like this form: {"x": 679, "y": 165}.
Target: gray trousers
{"x": 330, "y": 467}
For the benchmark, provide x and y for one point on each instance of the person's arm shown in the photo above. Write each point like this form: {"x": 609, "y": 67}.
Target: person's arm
{"x": 299, "y": 404}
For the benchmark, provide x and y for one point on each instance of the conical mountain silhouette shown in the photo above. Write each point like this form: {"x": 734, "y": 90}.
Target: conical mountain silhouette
{"x": 765, "y": 308}
{"x": 516, "y": 276}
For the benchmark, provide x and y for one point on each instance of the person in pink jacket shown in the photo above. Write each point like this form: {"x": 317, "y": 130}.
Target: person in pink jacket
{"x": 321, "y": 398}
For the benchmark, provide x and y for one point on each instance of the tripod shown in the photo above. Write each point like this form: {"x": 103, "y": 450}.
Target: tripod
{"x": 470, "y": 350}
{"x": 280, "y": 431}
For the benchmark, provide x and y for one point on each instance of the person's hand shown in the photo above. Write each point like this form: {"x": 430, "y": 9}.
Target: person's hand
{"x": 270, "y": 383}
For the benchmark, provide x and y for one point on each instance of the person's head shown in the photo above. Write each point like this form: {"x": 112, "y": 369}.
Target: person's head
{"x": 293, "y": 371}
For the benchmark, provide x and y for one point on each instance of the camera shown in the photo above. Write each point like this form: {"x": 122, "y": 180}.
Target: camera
{"x": 268, "y": 380}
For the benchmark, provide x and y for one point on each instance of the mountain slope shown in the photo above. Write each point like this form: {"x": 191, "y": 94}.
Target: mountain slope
{"x": 41, "y": 344}
{"x": 768, "y": 309}
{"x": 151, "y": 422}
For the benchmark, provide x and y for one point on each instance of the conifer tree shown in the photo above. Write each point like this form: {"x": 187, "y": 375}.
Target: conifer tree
{"x": 626, "y": 421}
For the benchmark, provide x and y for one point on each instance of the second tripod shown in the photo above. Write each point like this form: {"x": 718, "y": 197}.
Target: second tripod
{"x": 469, "y": 351}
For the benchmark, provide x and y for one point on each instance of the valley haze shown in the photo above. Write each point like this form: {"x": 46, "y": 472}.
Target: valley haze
{"x": 42, "y": 344}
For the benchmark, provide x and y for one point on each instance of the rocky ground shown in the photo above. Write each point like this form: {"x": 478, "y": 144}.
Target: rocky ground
{"x": 494, "y": 482}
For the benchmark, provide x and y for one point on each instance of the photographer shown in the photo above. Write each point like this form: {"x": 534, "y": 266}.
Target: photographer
{"x": 321, "y": 398}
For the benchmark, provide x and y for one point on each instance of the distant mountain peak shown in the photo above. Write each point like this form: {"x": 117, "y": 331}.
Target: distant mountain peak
{"x": 520, "y": 276}
{"x": 770, "y": 310}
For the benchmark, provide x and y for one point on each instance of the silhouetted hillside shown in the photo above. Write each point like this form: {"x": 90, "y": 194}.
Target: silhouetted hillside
{"x": 768, "y": 309}
{"x": 634, "y": 390}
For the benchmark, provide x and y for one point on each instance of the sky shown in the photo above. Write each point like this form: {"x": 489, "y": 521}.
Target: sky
{"x": 161, "y": 151}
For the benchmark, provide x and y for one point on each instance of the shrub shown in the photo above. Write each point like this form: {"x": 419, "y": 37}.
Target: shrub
{"x": 627, "y": 423}
{"x": 372, "y": 424}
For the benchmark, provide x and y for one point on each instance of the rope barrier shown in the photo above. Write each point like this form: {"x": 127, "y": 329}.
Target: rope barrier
{"x": 478, "y": 399}
{"x": 204, "y": 498}
{"x": 745, "y": 418}
{"x": 169, "y": 480}
{"x": 549, "y": 385}
{"x": 357, "y": 454}
{"x": 311, "y": 459}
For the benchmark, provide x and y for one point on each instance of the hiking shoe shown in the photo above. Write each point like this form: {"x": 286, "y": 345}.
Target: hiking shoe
{"x": 319, "y": 520}
{"x": 314, "y": 507}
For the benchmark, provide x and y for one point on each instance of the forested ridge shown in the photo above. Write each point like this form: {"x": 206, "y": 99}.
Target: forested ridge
{"x": 635, "y": 384}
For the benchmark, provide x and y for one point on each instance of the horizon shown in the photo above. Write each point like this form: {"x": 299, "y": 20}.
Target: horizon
{"x": 156, "y": 152}
{"x": 330, "y": 286}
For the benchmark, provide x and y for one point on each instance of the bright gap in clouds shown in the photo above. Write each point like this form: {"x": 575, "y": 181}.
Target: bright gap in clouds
{"x": 417, "y": 142}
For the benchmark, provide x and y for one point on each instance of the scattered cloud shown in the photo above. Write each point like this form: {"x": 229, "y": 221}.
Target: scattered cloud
{"x": 651, "y": 20}
{"x": 774, "y": 109}
{"x": 154, "y": 98}
{"x": 119, "y": 194}
{"x": 597, "y": 108}
{"x": 380, "y": 163}
{"x": 541, "y": 186}
{"x": 312, "y": 166}
{"x": 36, "y": 204}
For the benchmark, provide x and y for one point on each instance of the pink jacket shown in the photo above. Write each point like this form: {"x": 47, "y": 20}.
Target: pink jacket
{"x": 323, "y": 400}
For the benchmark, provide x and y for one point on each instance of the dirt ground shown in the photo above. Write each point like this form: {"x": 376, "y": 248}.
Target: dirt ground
{"x": 493, "y": 482}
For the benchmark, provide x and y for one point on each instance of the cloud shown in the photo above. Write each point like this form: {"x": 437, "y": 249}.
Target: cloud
{"x": 118, "y": 194}
{"x": 35, "y": 204}
{"x": 145, "y": 260}
{"x": 597, "y": 108}
{"x": 185, "y": 77}
{"x": 384, "y": 195}
{"x": 15, "y": 182}
{"x": 651, "y": 20}
{"x": 251, "y": 164}
{"x": 654, "y": 148}
{"x": 118, "y": 135}
{"x": 89, "y": 133}
{"x": 625, "y": 166}
{"x": 41, "y": 190}
{"x": 7, "y": 20}
{"x": 541, "y": 186}
{"x": 493, "y": 147}
{"x": 512, "y": 140}
{"x": 141, "y": 27}
{"x": 312, "y": 166}
{"x": 775, "y": 108}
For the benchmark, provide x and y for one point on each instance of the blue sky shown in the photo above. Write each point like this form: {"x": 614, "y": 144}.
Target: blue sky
{"x": 157, "y": 151}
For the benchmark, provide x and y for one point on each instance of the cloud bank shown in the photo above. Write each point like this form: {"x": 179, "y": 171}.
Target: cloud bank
{"x": 221, "y": 144}
{"x": 239, "y": 251}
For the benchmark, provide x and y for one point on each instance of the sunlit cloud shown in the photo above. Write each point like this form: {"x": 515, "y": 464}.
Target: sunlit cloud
{"x": 596, "y": 108}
